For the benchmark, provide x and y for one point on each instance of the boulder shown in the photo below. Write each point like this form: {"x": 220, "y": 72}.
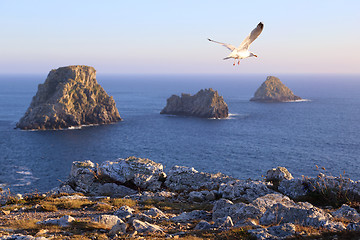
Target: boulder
{"x": 273, "y": 90}
{"x": 62, "y": 222}
{"x": 120, "y": 178}
{"x": 278, "y": 174}
{"x": 157, "y": 196}
{"x": 247, "y": 190}
{"x": 124, "y": 212}
{"x": 300, "y": 213}
{"x": 193, "y": 215}
{"x": 21, "y": 237}
{"x": 110, "y": 189}
{"x": 353, "y": 226}
{"x": 140, "y": 172}
{"x": 239, "y": 212}
{"x": 347, "y": 212}
{"x": 273, "y": 209}
{"x": 109, "y": 220}
{"x": 118, "y": 228}
{"x": 203, "y": 225}
{"x": 155, "y": 213}
{"x": 69, "y": 97}
{"x": 282, "y": 231}
{"x": 206, "y": 104}
{"x": 182, "y": 178}
{"x": 145, "y": 227}
{"x": 225, "y": 222}
{"x": 62, "y": 189}
{"x": 301, "y": 186}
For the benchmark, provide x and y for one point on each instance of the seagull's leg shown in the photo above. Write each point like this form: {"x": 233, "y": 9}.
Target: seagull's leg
{"x": 234, "y": 62}
{"x": 238, "y": 61}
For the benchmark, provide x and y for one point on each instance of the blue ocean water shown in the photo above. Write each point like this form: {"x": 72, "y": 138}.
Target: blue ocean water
{"x": 324, "y": 131}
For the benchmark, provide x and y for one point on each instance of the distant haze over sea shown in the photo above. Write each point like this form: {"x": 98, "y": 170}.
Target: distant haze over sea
{"x": 324, "y": 131}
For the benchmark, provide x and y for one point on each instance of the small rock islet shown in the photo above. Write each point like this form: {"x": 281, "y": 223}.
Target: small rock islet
{"x": 69, "y": 97}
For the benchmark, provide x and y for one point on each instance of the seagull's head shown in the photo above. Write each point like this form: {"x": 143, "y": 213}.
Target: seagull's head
{"x": 252, "y": 54}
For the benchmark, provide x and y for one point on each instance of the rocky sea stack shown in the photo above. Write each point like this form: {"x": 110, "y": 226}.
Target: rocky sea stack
{"x": 273, "y": 90}
{"x": 206, "y": 104}
{"x": 70, "y": 97}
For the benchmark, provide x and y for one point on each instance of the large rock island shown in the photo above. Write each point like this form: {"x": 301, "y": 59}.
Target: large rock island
{"x": 206, "y": 104}
{"x": 70, "y": 97}
{"x": 273, "y": 90}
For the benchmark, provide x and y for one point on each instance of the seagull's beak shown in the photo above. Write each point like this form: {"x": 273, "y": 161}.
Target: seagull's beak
{"x": 255, "y": 55}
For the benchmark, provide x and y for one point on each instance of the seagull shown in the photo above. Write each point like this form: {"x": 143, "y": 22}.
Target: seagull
{"x": 243, "y": 50}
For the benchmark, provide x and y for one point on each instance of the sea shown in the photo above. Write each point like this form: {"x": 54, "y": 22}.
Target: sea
{"x": 323, "y": 130}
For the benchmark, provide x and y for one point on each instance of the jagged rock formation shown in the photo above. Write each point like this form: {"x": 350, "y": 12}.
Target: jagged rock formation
{"x": 271, "y": 214}
{"x": 206, "y": 104}
{"x": 273, "y": 90}
{"x": 70, "y": 97}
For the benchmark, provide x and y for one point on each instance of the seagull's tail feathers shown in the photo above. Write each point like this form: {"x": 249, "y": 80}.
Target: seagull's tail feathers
{"x": 226, "y": 58}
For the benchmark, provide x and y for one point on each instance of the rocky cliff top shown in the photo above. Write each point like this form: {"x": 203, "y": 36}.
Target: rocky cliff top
{"x": 69, "y": 97}
{"x": 273, "y": 90}
{"x": 183, "y": 201}
{"x": 205, "y": 103}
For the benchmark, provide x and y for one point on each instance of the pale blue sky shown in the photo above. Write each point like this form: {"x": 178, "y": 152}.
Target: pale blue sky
{"x": 171, "y": 36}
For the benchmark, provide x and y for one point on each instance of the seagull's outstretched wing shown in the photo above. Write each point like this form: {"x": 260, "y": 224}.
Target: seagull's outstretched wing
{"x": 228, "y": 46}
{"x": 253, "y": 35}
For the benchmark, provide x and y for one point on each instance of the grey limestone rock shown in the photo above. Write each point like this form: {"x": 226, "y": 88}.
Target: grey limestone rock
{"x": 193, "y": 215}
{"x": 158, "y": 196}
{"x": 21, "y": 237}
{"x": 141, "y": 172}
{"x": 206, "y": 104}
{"x": 293, "y": 188}
{"x": 69, "y": 97}
{"x": 353, "y": 226}
{"x": 155, "y": 213}
{"x": 182, "y": 178}
{"x": 274, "y": 209}
{"x": 109, "y": 220}
{"x": 273, "y": 90}
{"x": 298, "y": 187}
{"x": 62, "y": 189}
{"x": 347, "y": 212}
{"x": 110, "y": 189}
{"x": 62, "y": 222}
{"x": 225, "y": 222}
{"x": 124, "y": 212}
{"x": 275, "y": 232}
{"x": 116, "y": 178}
{"x": 203, "y": 225}
{"x": 247, "y": 190}
{"x": 278, "y": 174}
{"x": 301, "y": 213}
{"x": 118, "y": 228}
{"x": 145, "y": 227}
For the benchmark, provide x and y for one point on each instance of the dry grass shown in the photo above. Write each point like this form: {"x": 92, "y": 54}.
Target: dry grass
{"x": 52, "y": 205}
{"x": 234, "y": 233}
{"x": 119, "y": 202}
{"x": 48, "y": 207}
{"x": 343, "y": 235}
{"x": 24, "y": 224}
{"x": 328, "y": 191}
{"x": 101, "y": 206}
{"x": 81, "y": 226}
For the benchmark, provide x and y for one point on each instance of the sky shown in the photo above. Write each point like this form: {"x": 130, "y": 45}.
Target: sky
{"x": 170, "y": 37}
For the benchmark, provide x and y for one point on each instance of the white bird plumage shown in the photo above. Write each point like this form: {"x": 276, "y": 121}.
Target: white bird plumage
{"x": 243, "y": 50}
